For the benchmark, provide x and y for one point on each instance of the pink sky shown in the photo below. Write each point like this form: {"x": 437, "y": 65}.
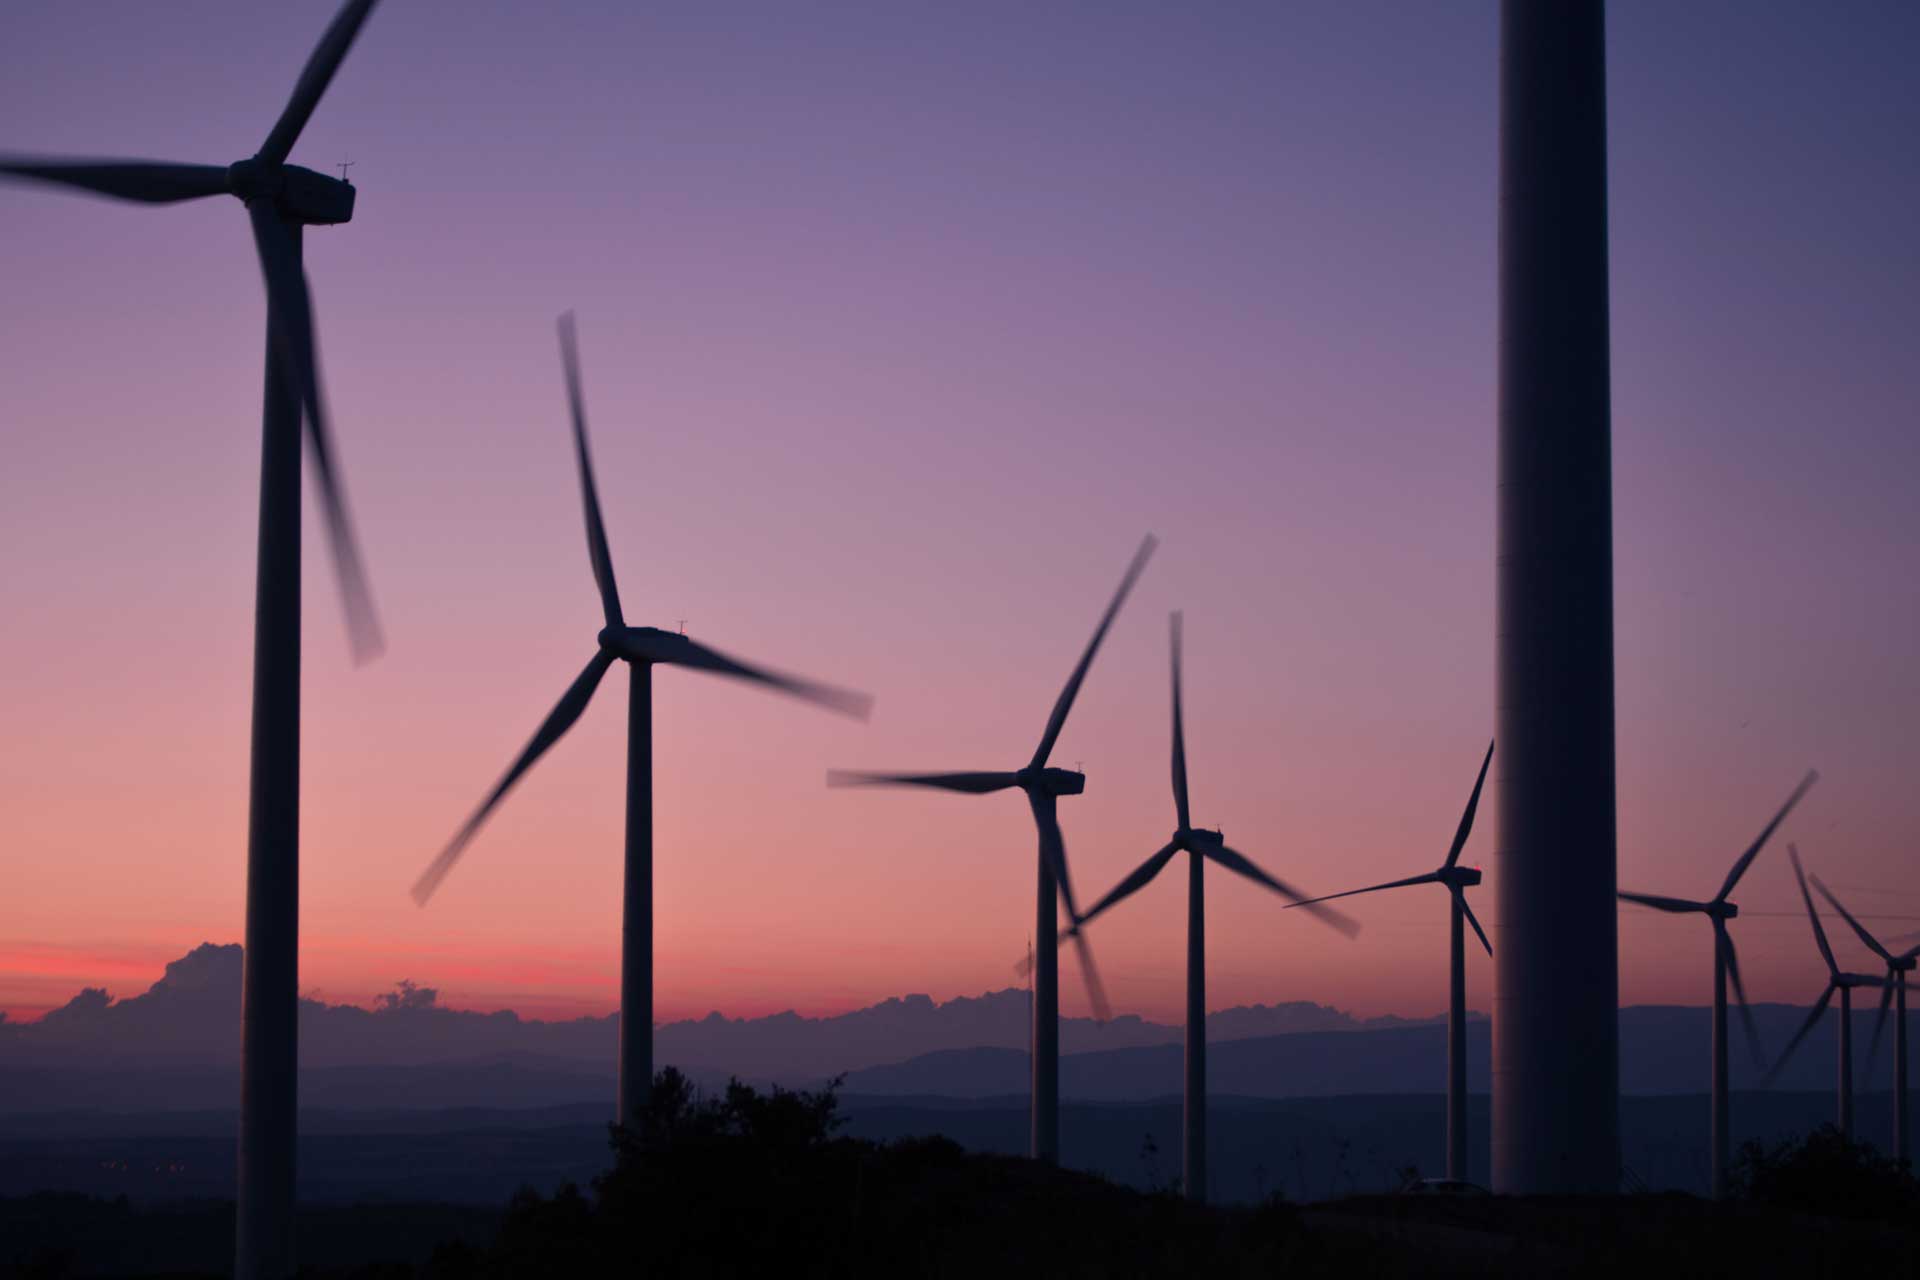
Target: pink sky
{"x": 900, "y": 329}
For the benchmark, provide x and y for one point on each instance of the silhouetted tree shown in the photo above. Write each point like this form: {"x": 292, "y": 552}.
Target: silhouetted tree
{"x": 1826, "y": 1174}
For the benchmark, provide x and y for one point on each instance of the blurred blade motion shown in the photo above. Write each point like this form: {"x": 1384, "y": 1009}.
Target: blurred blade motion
{"x": 1058, "y": 719}
{"x": 558, "y": 721}
{"x": 968, "y": 783}
{"x": 146, "y": 181}
{"x": 1745, "y": 860}
{"x": 290, "y": 316}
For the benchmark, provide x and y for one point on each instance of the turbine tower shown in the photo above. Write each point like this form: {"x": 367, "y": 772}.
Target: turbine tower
{"x": 282, "y": 200}
{"x": 1895, "y": 988}
{"x": 1457, "y": 879}
{"x": 1726, "y": 965}
{"x": 642, "y": 649}
{"x": 1199, "y": 845}
{"x": 1837, "y": 980}
{"x": 1044, "y": 785}
{"x": 1556, "y": 1054}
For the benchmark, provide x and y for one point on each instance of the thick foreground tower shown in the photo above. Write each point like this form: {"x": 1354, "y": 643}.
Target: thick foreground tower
{"x": 1556, "y": 1069}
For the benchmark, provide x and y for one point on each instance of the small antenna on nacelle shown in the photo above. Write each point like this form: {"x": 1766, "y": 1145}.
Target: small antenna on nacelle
{"x": 344, "y": 166}
{"x": 683, "y": 626}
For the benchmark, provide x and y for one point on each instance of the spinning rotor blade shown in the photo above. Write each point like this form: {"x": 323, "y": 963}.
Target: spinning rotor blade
{"x": 314, "y": 79}
{"x": 1753, "y": 850}
{"x": 1466, "y": 819}
{"x": 589, "y": 492}
{"x": 147, "y": 181}
{"x": 290, "y": 312}
{"x": 1466, "y": 909}
{"x": 1064, "y": 703}
{"x": 1725, "y": 942}
{"x": 1879, "y": 1025}
{"x": 1179, "y": 725}
{"x": 1873, "y": 943}
{"x": 1135, "y": 880}
{"x": 1233, "y": 860}
{"x": 558, "y": 721}
{"x": 1819, "y": 933}
{"x": 1658, "y": 903}
{"x": 977, "y": 784}
{"x": 1826, "y": 998}
{"x": 1430, "y": 878}
{"x": 1053, "y": 847}
{"x": 688, "y": 653}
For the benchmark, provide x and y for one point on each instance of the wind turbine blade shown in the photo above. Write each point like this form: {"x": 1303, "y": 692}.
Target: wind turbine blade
{"x": 147, "y": 181}
{"x": 551, "y": 730}
{"x": 1179, "y": 725}
{"x": 1725, "y": 942}
{"x": 1826, "y": 998}
{"x": 1879, "y": 1025}
{"x": 1873, "y": 943}
{"x": 1659, "y": 903}
{"x": 1135, "y": 880}
{"x": 290, "y": 311}
{"x": 314, "y": 79}
{"x": 1053, "y": 847}
{"x": 1431, "y": 877}
{"x": 1466, "y": 818}
{"x": 1753, "y": 850}
{"x": 1096, "y": 991}
{"x": 1065, "y": 702}
{"x": 683, "y": 652}
{"x": 1466, "y": 909}
{"x": 1233, "y": 860}
{"x": 1819, "y": 933}
{"x": 589, "y": 492}
{"x": 977, "y": 784}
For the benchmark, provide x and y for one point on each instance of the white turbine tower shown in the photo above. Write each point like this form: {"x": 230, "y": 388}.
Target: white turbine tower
{"x": 1199, "y": 845}
{"x": 1726, "y": 966}
{"x": 1895, "y": 989}
{"x": 1458, "y": 880}
{"x": 1043, "y": 784}
{"x": 1837, "y": 980}
{"x": 642, "y": 649}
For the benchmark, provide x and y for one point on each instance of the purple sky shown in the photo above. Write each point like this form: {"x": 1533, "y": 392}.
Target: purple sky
{"x": 901, "y": 324}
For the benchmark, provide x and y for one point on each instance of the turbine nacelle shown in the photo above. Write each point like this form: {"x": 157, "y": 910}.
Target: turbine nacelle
{"x": 300, "y": 194}
{"x": 1198, "y": 838}
{"x": 1458, "y": 877}
{"x": 1051, "y": 781}
{"x": 645, "y": 644}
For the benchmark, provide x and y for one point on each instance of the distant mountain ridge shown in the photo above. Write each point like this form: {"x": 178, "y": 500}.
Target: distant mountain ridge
{"x": 191, "y": 1016}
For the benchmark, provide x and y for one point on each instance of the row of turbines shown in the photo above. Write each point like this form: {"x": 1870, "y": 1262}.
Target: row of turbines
{"x": 1556, "y": 1068}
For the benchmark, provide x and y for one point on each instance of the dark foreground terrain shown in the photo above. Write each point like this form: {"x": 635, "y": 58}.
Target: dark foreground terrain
{"x": 1306, "y": 1149}
{"x": 749, "y": 1184}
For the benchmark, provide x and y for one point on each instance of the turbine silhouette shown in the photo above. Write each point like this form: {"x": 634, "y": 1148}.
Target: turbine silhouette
{"x": 1837, "y": 980}
{"x": 1043, "y": 785}
{"x": 1895, "y": 988}
{"x": 1726, "y": 965}
{"x": 642, "y": 649}
{"x": 1457, "y": 879}
{"x": 282, "y": 200}
{"x": 1200, "y": 845}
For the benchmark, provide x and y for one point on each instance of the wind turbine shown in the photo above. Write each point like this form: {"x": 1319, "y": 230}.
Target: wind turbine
{"x": 1726, "y": 965}
{"x": 1895, "y": 989}
{"x": 642, "y": 649}
{"x": 1837, "y": 980}
{"x": 1457, "y": 879}
{"x": 282, "y": 200}
{"x": 1044, "y": 785}
{"x": 1199, "y": 844}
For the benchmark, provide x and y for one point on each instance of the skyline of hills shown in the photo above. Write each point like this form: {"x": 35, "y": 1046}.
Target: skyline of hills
{"x": 176, "y": 1046}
